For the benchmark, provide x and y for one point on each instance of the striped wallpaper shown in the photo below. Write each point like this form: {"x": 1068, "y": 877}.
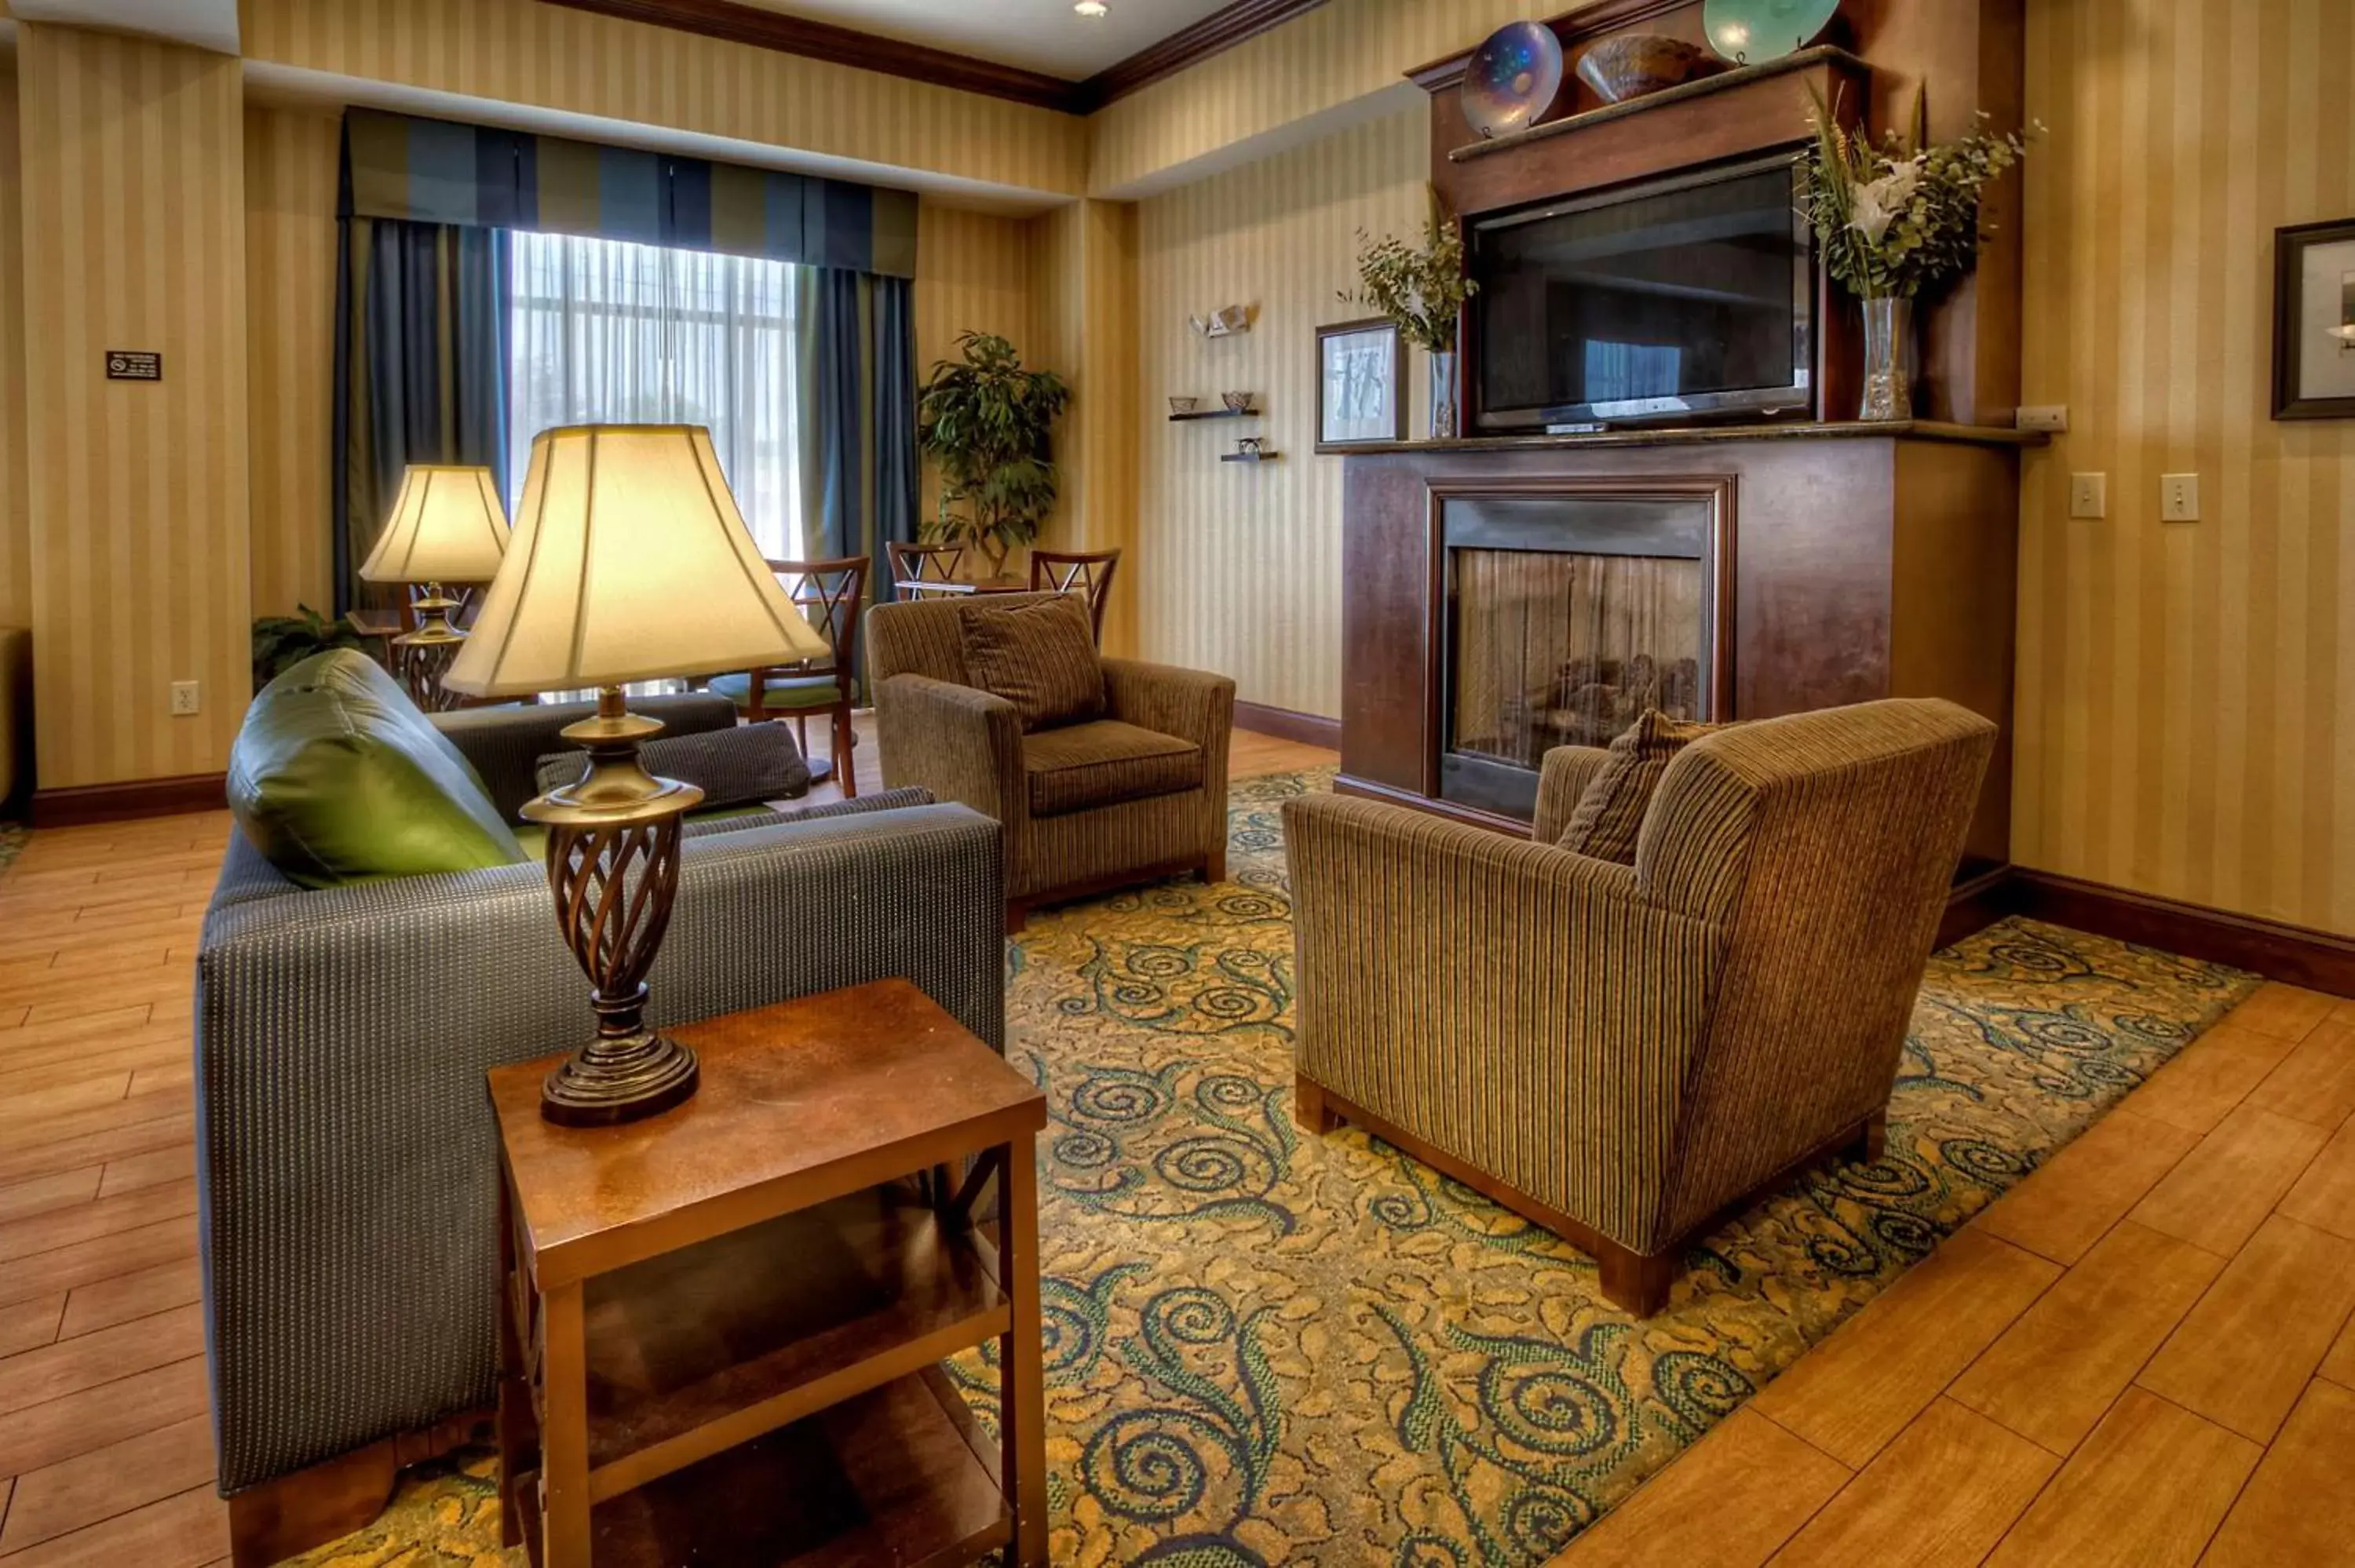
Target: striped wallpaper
{"x": 1238, "y": 565}
{"x": 1084, "y": 265}
{"x": 522, "y": 51}
{"x": 289, "y": 324}
{"x": 1331, "y": 58}
{"x": 2187, "y": 693}
{"x": 137, "y": 489}
{"x": 973, "y": 274}
{"x": 15, "y": 517}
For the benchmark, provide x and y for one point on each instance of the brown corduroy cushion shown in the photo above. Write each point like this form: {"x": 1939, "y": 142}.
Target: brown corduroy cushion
{"x": 1042, "y": 657}
{"x": 1609, "y": 816}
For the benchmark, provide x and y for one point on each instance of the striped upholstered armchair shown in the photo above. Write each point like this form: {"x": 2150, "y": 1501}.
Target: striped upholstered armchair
{"x": 1136, "y": 795}
{"x": 1629, "y": 1054}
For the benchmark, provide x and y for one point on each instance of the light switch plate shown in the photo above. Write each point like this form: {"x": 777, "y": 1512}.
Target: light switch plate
{"x": 2178, "y": 498}
{"x": 2089, "y": 495}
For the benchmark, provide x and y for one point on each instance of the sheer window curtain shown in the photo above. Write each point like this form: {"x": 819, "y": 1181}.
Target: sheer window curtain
{"x": 608, "y": 332}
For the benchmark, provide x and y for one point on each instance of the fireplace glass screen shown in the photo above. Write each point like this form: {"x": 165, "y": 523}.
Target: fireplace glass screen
{"x": 1565, "y": 635}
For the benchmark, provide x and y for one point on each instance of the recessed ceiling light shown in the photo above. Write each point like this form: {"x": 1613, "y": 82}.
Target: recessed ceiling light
{"x": 1091, "y": 7}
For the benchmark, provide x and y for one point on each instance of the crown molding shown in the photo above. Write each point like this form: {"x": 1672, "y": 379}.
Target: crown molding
{"x": 739, "y": 24}
{"x": 1221, "y": 29}
{"x": 736, "y": 24}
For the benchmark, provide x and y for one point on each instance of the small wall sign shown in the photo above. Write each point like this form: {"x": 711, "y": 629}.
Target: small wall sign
{"x": 133, "y": 365}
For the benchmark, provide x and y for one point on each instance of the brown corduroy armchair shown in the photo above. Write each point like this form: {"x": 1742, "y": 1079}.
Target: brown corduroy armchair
{"x": 1139, "y": 795}
{"x": 1628, "y": 1055}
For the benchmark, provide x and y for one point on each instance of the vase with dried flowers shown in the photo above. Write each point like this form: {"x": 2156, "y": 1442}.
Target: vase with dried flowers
{"x": 1897, "y": 220}
{"x": 1422, "y": 289}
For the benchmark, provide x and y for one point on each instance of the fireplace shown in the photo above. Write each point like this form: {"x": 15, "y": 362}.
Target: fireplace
{"x": 1567, "y": 613}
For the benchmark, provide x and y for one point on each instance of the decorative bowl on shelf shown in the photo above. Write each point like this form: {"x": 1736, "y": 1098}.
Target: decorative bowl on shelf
{"x": 1629, "y": 65}
{"x": 1513, "y": 79}
{"x": 1237, "y": 402}
{"x": 1752, "y": 32}
{"x": 1183, "y": 404}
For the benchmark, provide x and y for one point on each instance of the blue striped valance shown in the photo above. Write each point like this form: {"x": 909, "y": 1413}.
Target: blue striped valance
{"x": 439, "y": 171}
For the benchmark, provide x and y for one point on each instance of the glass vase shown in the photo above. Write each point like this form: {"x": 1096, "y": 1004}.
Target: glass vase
{"x": 1888, "y": 358}
{"x": 1443, "y": 395}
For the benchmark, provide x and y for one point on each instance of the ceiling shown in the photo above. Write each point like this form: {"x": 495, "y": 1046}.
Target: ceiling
{"x": 1037, "y": 35}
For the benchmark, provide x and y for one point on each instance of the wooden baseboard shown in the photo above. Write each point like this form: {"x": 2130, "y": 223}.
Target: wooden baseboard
{"x": 1307, "y": 729}
{"x": 1977, "y": 903}
{"x": 2295, "y": 955}
{"x": 86, "y": 803}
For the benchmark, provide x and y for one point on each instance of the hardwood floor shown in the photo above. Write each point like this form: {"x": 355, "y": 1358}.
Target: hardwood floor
{"x": 104, "y": 1435}
{"x": 105, "y": 1441}
{"x": 2142, "y": 1355}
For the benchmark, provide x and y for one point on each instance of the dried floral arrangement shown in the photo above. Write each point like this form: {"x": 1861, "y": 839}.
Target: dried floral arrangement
{"x": 1899, "y": 218}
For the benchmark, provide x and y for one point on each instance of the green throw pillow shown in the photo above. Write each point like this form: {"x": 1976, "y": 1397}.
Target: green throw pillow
{"x": 337, "y": 779}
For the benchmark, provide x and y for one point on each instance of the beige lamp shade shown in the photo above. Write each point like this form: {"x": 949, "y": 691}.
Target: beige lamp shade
{"x": 447, "y": 526}
{"x": 630, "y": 562}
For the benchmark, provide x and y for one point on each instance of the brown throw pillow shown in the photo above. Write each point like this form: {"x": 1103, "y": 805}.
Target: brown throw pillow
{"x": 1042, "y": 657}
{"x": 1604, "y": 823}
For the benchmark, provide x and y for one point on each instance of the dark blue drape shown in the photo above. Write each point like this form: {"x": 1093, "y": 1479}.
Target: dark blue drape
{"x": 866, "y": 392}
{"x": 420, "y": 371}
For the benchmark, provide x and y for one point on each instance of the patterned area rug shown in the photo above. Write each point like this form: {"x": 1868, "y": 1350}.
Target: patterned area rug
{"x": 1267, "y": 1348}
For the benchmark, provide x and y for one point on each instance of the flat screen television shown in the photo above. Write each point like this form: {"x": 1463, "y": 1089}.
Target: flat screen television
{"x": 1686, "y": 299}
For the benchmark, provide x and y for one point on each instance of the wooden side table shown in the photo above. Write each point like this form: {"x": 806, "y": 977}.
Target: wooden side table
{"x": 721, "y": 1324}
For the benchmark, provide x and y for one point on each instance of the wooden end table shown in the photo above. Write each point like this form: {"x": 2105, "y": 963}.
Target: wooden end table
{"x": 721, "y": 1324}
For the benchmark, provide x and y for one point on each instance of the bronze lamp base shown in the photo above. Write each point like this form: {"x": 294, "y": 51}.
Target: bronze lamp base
{"x": 612, "y": 862}
{"x": 421, "y": 657}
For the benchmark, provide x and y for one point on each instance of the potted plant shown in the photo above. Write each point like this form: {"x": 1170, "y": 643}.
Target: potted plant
{"x": 1422, "y": 290}
{"x": 283, "y": 641}
{"x": 1895, "y": 221}
{"x": 986, "y": 421}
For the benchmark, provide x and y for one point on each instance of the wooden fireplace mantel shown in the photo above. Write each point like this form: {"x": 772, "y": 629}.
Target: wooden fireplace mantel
{"x": 1866, "y": 561}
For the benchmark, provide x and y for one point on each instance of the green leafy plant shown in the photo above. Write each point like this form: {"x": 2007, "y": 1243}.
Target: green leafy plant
{"x": 985, "y": 421}
{"x": 283, "y": 641}
{"x": 1899, "y": 218}
{"x": 1421, "y": 289}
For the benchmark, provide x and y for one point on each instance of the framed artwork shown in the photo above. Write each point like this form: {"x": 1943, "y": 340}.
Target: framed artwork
{"x": 2314, "y": 321}
{"x": 1361, "y": 384}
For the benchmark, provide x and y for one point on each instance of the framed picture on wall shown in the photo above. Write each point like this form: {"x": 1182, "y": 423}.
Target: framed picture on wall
{"x": 2314, "y": 321}
{"x": 1361, "y": 384}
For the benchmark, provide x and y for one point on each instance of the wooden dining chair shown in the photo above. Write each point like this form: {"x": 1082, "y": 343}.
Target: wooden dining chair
{"x": 833, "y": 594}
{"x": 1085, "y": 571}
{"x": 916, "y": 567}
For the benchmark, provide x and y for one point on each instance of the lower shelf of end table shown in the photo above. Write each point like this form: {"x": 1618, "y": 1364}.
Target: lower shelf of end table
{"x": 719, "y": 1342}
{"x": 898, "y": 1475}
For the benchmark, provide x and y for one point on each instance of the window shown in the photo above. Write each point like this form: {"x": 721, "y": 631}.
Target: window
{"x": 609, "y": 332}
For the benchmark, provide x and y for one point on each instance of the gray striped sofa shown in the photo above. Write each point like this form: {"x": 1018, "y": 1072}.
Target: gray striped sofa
{"x": 1137, "y": 796}
{"x": 1629, "y": 1054}
{"x": 346, "y": 1157}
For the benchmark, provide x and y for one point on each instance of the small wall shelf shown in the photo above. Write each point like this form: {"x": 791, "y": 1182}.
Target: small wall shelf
{"x": 1250, "y": 457}
{"x": 1215, "y": 414}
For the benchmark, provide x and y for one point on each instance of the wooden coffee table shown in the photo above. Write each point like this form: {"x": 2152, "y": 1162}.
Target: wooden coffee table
{"x": 721, "y": 1324}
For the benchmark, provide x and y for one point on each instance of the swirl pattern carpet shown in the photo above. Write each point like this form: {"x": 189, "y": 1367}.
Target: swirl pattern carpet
{"x": 1267, "y": 1348}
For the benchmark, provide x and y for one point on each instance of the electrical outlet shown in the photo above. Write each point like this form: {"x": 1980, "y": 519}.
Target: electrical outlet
{"x": 2089, "y": 495}
{"x": 2050, "y": 418}
{"x": 2178, "y": 498}
{"x": 185, "y": 699}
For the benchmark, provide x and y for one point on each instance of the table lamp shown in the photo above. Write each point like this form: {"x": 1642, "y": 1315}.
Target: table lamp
{"x": 447, "y": 526}
{"x": 630, "y": 563}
